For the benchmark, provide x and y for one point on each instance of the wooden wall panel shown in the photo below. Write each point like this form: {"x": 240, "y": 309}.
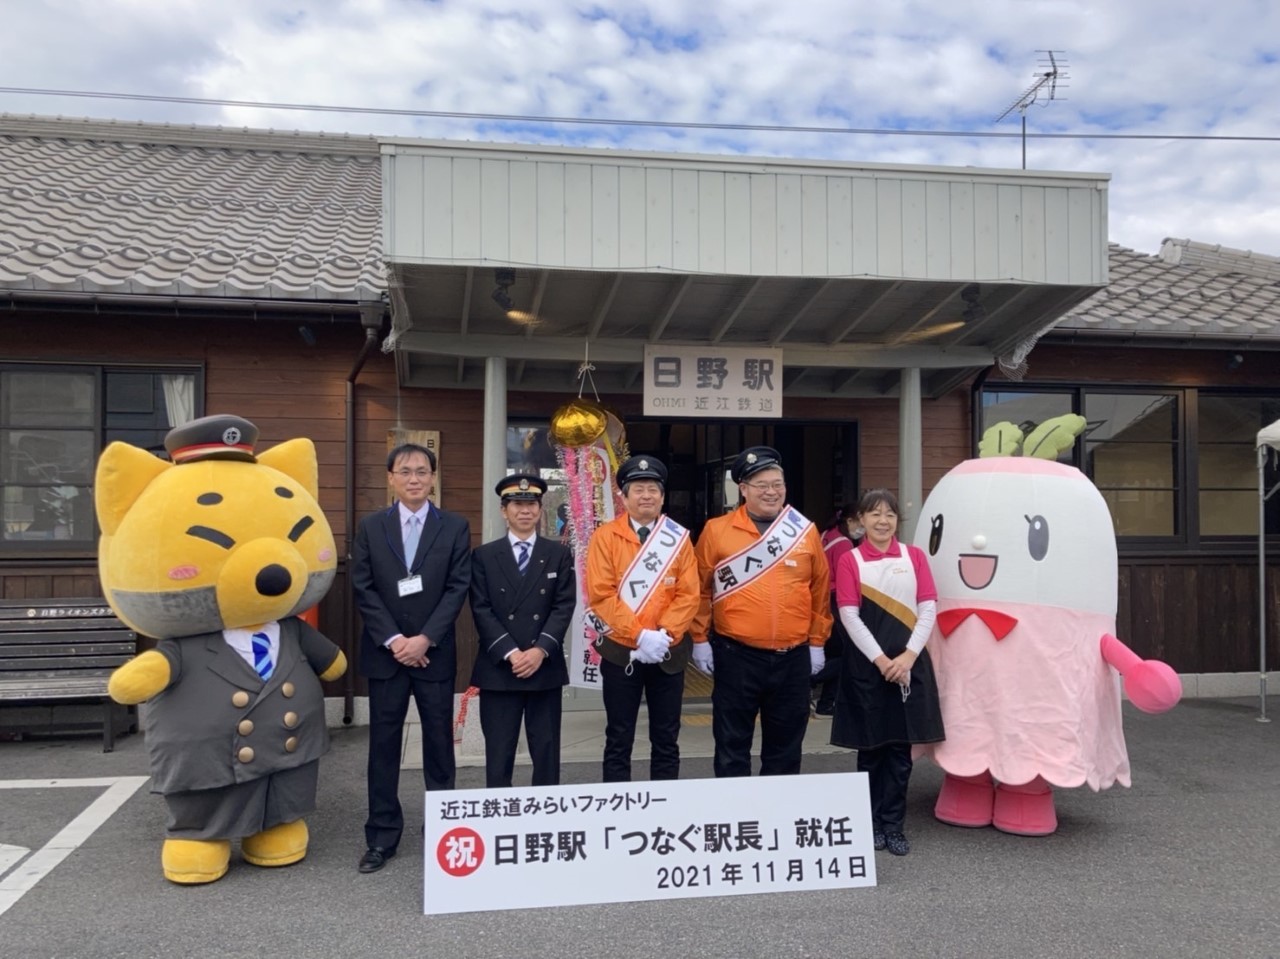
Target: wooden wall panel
{"x": 1055, "y": 360}
{"x": 1199, "y": 614}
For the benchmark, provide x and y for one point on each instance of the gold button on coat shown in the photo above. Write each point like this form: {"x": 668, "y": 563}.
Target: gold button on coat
{"x": 240, "y": 698}
{"x": 290, "y": 720}
{"x": 291, "y": 744}
{"x": 287, "y": 690}
{"x": 245, "y": 727}
{"x": 245, "y": 755}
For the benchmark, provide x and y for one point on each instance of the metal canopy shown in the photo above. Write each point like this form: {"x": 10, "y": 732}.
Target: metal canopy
{"x": 840, "y": 337}
{"x": 855, "y": 271}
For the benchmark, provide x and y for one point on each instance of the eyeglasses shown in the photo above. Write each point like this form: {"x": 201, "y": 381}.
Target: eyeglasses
{"x": 406, "y": 474}
{"x": 777, "y": 486}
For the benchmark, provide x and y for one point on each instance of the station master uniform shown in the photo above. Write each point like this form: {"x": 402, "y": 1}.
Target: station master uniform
{"x": 517, "y": 609}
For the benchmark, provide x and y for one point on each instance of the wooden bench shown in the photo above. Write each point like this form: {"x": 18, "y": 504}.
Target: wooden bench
{"x": 62, "y": 651}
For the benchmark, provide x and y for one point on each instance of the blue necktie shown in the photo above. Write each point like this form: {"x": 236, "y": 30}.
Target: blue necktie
{"x": 523, "y": 562}
{"x": 262, "y": 655}
{"x": 413, "y": 533}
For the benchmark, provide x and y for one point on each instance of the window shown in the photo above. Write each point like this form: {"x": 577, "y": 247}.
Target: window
{"x": 1229, "y": 466}
{"x": 1131, "y": 454}
{"x": 529, "y": 450}
{"x": 53, "y": 423}
{"x": 1135, "y": 448}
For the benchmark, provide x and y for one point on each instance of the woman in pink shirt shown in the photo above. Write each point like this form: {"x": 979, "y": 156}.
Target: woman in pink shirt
{"x": 888, "y": 698}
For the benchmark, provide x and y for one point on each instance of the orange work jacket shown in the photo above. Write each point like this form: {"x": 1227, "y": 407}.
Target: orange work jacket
{"x": 785, "y": 606}
{"x": 671, "y": 605}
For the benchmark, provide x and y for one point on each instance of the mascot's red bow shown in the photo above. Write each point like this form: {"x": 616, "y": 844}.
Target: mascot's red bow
{"x": 1000, "y": 624}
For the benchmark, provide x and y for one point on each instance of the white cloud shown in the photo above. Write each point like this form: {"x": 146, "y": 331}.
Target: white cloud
{"x": 1143, "y": 66}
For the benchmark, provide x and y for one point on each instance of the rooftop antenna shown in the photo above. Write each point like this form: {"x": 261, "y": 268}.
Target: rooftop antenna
{"x": 1050, "y": 72}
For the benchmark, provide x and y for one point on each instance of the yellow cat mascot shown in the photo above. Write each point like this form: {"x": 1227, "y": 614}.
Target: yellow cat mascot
{"x": 214, "y": 555}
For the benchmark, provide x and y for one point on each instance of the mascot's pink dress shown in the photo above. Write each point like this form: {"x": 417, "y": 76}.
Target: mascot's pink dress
{"x": 1024, "y": 556}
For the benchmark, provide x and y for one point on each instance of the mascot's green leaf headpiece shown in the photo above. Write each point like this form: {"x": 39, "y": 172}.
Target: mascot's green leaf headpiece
{"x": 1047, "y": 441}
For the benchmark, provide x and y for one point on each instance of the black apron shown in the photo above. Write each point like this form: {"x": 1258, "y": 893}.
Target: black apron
{"x": 871, "y": 712}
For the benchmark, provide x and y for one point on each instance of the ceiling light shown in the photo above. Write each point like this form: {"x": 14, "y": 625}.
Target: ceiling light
{"x": 503, "y": 298}
{"x": 504, "y": 278}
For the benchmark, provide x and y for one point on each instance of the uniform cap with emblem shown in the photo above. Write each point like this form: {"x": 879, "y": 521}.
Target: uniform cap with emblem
{"x": 523, "y": 487}
{"x": 642, "y": 468}
{"x": 218, "y": 437}
{"x": 753, "y": 460}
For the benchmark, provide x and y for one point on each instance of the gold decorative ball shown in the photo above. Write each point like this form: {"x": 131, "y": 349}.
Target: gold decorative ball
{"x": 578, "y": 423}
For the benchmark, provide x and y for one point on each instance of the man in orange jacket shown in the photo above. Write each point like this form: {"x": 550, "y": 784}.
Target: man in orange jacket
{"x": 764, "y": 617}
{"x": 642, "y": 594}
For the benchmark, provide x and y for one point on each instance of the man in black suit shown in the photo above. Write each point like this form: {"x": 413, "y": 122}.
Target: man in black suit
{"x": 522, "y": 597}
{"x": 410, "y": 572}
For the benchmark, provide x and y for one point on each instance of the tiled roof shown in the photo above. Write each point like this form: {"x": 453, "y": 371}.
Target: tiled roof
{"x": 129, "y": 208}
{"x": 1222, "y": 259}
{"x": 1219, "y": 298}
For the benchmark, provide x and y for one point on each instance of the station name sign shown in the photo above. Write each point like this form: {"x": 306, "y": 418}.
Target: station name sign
{"x": 713, "y": 381}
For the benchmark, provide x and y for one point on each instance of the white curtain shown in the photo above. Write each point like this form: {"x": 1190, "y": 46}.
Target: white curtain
{"x": 179, "y": 397}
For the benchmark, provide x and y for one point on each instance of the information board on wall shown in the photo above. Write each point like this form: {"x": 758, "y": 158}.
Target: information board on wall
{"x": 526, "y": 847}
{"x": 713, "y": 381}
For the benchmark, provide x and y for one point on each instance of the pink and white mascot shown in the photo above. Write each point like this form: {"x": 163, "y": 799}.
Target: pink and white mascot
{"x": 1024, "y": 556}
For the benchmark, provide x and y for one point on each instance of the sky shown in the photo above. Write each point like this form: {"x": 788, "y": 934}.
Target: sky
{"x": 1151, "y": 67}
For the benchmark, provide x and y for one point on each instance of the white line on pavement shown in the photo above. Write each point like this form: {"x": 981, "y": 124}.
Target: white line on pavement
{"x": 37, "y": 866}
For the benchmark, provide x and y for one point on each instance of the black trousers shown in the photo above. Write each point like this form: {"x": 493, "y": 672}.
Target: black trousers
{"x": 889, "y": 770}
{"x": 664, "y": 693}
{"x": 388, "y": 703}
{"x": 752, "y": 682}
{"x": 501, "y": 713}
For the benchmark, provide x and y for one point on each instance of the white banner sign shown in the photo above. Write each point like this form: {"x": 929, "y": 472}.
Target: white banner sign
{"x": 584, "y": 661}
{"x": 717, "y": 381}
{"x": 489, "y": 849}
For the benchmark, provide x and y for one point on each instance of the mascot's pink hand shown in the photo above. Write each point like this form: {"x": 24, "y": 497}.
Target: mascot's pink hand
{"x": 1151, "y": 685}
{"x": 139, "y": 679}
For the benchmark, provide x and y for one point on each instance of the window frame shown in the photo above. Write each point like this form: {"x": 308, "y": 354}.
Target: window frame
{"x": 1187, "y": 537}
{"x": 11, "y": 550}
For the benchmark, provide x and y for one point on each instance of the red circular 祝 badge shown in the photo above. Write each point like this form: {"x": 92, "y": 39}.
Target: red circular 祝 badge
{"x": 460, "y": 851}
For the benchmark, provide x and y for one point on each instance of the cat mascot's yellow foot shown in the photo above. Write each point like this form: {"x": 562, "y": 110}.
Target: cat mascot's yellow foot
{"x": 191, "y": 862}
{"x": 281, "y": 845}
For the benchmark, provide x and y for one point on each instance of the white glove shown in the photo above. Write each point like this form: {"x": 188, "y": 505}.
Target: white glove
{"x": 817, "y": 659}
{"x": 652, "y": 646}
{"x": 703, "y": 659}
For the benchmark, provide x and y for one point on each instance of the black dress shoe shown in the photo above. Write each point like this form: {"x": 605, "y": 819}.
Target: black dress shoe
{"x": 897, "y": 843}
{"x": 374, "y": 858}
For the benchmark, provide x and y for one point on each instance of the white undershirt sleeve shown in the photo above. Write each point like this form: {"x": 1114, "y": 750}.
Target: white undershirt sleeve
{"x": 926, "y": 613}
{"x": 859, "y": 633}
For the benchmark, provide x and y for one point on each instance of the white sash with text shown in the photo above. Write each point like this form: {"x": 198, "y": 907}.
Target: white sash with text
{"x": 774, "y": 544}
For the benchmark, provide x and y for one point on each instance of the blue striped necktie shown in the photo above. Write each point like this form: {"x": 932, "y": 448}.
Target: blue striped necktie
{"x": 262, "y": 655}
{"x": 523, "y": 562}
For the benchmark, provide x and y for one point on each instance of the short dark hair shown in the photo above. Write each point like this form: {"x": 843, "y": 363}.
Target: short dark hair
{"x": 845, "y": 513}
{"x": 874, "y": 497}
{"x": 408, "y": 449}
